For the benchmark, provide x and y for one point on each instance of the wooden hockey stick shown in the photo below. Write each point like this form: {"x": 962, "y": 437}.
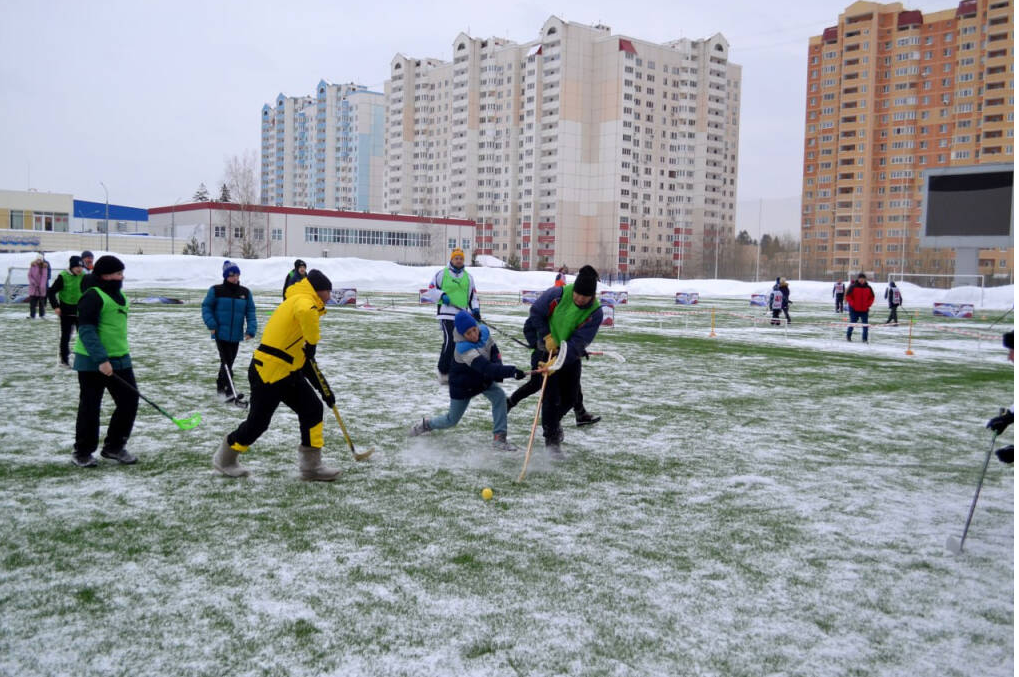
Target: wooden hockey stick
{"x": 541, "y": 396}
{"x": 326, "y": 391}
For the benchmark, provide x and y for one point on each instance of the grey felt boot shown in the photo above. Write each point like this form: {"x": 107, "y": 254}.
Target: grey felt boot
{"x": 309, "y": 460}
{"x": 225, "y": 461}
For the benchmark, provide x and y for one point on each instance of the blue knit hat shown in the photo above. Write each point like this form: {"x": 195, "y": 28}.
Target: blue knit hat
{"x": 230, "y": 268}
{"x": 463, "y": 321}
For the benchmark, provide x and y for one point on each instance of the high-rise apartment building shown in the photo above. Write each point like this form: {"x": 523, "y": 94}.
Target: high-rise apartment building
{"x": 891, "y": 92}
{"x": 324, "y": 151}
{"x": 578, "y": 147}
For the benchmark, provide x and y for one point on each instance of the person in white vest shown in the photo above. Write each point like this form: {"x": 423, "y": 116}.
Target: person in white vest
{"x": 452, "y": 290}
{"x": 838, "y": 290}
{"x": 776, "y": 301}
{"x": 894, "y": 297}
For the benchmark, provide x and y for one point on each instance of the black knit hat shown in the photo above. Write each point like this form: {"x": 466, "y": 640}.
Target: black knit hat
{"x": 75, "y": 262}
{"x": 87, "y": 254}
{"x": 319, "y": 281}
{"x": 1007, "y": 339}
{"x": 108, "y": 264}
{"x": 299, "y": 263}
{"x": 586, "y": 283}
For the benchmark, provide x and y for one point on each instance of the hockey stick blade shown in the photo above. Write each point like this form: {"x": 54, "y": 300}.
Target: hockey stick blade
{"x": 954, "y": 545}
{"x": 607, "y": 353}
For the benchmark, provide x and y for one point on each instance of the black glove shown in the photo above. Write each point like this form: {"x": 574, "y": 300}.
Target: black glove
{"x": 476, "y": 314}
{"x": 1004, "y": 454}
{"x": 309, "y": 350}
{"x": 999, "y": 423}
{"x": 518, "y": 374}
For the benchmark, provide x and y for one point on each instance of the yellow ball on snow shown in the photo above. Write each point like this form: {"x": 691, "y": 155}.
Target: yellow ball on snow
{"x": 486, "y": 494}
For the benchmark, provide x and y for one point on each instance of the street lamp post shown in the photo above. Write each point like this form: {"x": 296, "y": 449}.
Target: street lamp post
{"x": 907, "y": 190}
{"x": 107, "y": 215}
{"x": 173, "y": 226}
{"x": 760, "y": 212}
{"x": 716, "y": 251}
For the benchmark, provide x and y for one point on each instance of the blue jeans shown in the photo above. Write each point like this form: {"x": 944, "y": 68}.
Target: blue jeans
{"x": 457, "y": 408}
{"x": 856, "y": 316}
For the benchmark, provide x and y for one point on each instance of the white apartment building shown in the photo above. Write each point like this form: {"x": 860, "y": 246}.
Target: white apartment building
{"x": 324, "y": 151}
{"x": 578, "y": 147}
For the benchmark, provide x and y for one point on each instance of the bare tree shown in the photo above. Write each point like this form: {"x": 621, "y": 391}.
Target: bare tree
{"x": 240, "y": 176}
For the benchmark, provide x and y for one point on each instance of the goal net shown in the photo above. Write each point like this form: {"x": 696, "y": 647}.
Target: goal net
{"x": 15, "y": 285}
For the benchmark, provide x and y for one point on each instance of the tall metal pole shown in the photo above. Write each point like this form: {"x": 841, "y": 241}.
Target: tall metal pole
{"x": 716, "y": 251}
{"x": 760, "y": 210}
{"x": 905, "y": 224}
{"x": 173, "y": 226}
{"x": 107, "y": 215}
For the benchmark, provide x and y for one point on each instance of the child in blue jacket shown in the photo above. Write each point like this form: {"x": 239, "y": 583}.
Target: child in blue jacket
{"x": 225, "y": 310}
{"x": 476, "y": 367}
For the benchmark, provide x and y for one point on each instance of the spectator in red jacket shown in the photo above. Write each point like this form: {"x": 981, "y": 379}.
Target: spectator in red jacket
{"x": 859, "y": 297}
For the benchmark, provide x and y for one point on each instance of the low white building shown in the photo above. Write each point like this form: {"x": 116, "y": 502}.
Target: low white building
{"x": 257, "y": 231}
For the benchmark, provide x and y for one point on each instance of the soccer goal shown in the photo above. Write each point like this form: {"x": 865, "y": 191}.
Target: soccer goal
{"x": 15, "y": 285}
{"x": 934, "y": 280}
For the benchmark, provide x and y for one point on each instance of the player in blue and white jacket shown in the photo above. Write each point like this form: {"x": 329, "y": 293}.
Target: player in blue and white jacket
{"x": 452, "y": 289}
{"x": 476, "y": 370}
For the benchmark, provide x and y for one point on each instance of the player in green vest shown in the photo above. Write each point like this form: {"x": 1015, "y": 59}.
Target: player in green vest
{"x": 565, "y": 316}
{"x": 101, "y": 351}
{"x": 452, "y": 290}
{"x": 63, "y": 296}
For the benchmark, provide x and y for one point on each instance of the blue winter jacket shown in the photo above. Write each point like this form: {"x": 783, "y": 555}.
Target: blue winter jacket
{"x": 476, "y": 366}
{"x": 226, "y": 308}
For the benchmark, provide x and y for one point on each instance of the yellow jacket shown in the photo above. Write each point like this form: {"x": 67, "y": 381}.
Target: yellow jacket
{"x": 292, "y": 324}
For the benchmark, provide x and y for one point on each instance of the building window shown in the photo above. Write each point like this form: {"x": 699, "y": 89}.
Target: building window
{"x": 277, "y": 233}
{"x": 219, "y": 232}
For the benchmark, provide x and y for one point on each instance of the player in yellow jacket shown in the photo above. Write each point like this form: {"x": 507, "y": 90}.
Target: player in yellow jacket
{"x": 277, "y": 373}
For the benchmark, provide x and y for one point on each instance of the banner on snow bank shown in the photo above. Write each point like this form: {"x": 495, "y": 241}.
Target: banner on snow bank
{"x": 687, "y": 298}
{"x": 953, "y": 309}
{"x": 759, "y": 300}
{"x": 529, "y": 296}
{"x": 613, "y": 298}
{"x": 344, "y": 297}
{"x": 608, "y": 316}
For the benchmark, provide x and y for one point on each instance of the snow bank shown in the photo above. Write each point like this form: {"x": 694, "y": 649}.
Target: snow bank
{"x": 198, "y": 272}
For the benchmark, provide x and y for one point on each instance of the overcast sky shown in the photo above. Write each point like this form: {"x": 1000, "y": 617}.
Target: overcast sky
{"x": 150, "y": 98}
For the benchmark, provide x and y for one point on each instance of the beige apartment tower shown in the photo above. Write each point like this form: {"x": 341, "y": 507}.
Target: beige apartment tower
{"x": 891, "y": 92}
{"x": 578, "y": 147}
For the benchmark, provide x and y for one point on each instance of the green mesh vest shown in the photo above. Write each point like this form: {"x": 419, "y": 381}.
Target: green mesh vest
{"x": 458, "y": 289}
{"x": 71, "y": 291}
{"x": 567, "y": 316}
{"x": 112, "y": 327}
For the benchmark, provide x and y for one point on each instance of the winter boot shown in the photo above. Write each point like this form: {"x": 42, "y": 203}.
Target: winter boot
{"x": 500, "y": 443}
{"x": 225, "y": 461}
{"x": 309, "y": 460}
{"x": 587, "y": 419}
{"x": 420, "y": 428}
{"x": 555, "y": 452}
{"x": 121, "y": 455}
{"x": 88, "y": 461}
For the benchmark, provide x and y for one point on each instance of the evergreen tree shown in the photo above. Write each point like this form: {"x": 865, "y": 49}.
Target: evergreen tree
{"x": 224, "y": 193}
{"x": 202, "y": 194}
{"x": 191, "y": 248}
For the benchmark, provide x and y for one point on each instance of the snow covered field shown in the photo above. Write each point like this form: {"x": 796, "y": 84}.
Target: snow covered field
{"x": 762, "y": 502}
